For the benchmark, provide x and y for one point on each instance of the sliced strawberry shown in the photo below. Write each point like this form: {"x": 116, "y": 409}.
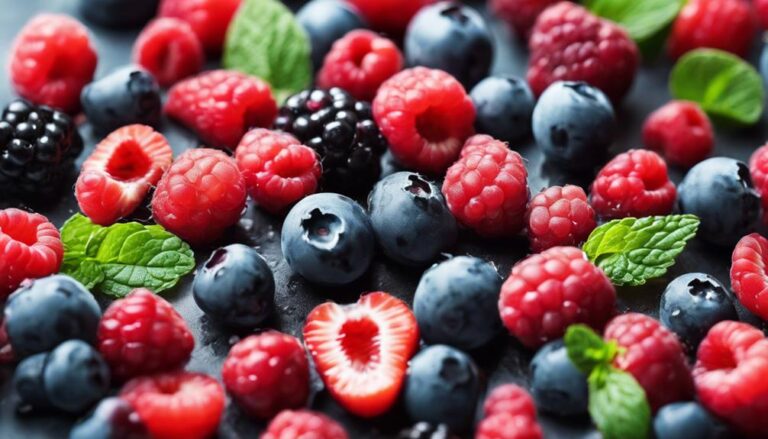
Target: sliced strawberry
{"x": 362, "y": 350}
{"x": 118, "y": 174}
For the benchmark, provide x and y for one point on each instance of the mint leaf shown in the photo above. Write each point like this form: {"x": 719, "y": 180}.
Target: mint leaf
{"x": 617, "y": 404}
{"x": 728, "y": 88}
{"x": 76, "y": 234}
{"x": 586, "y": 349}
{"x": 265, "y": 40}
{"x": 631, "y": 250}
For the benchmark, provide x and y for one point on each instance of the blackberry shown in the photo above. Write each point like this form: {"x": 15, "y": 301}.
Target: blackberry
{"x": 425, "y": 430}
{"x": 38, "y": 147}
{"x": 342, "y": 131}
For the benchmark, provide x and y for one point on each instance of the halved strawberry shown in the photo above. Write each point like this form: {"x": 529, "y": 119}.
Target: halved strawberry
{"x": 118, "y": 174}
{"x": 362, "y": 350}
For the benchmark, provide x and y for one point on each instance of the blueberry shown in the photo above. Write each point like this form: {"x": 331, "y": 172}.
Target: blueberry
{"x": 48, "y": 311}
{"x": 235, "y": 286}
{"x": 763, "y": 64}
{"x": 126, "y": 96}
{"x": 685, "y": 420}
{"x": 28, "y": 382}
{"x": 452, "y": 37}
{"x": 113, "y": 418}
{"x": 327, "y": 238}
{"x": 75, "y": 376}
{"x": 556, "y": 385}
{"x": 574, "y": 124}
{"x": 327, "y": 21}
{"x": 119, "y": 13}
{"x": 720, "y": 192}
{"x": 411, "y": 221}
{"x": 504, "y": 106}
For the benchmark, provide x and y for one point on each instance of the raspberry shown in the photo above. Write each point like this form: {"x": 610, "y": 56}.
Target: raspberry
{"x": 267, "y": 373}
{"x": 509, "y": 414}
{"x": 426, "y": 115}
{"x": 635, "y": 183}
{"x": 719, "y": 24}
{"x": 359, "y": 63}
{"x": 209, "y": 19}
{"x": 303, "y": 424}
{"x": 568, "y": 43}
{"x": 758, "y": 170}
{"x": 278, "y": 170}
{"x": 761, "y": 9}
{"x": 30, "y": 247}
{"x": 730, "y": 371}
{"x": 177, "y": 404}
{"x": 51, "y": 61}
{"x": 391, "y": 16}
{"x": 169, "y": 49}
{"x": 680, "y": 131}
{"x": 487, "y": 188}
{"x": 654, "y": 356}
{"x": 142, "y": 334}
{"x": 559, "y": 216}
{"x": 520, "y": 14}
{"x": 511, "y": 399}
{"x": 749, "y": 278}
{"x": 221, "y": 105}
{"x": 547, "y": 292}
{"x": 201, "y": 195}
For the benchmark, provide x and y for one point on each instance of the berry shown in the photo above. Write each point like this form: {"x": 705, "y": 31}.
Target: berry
{"x": 761, "y": 10}
{"x": 303, "y": 424}
{"x": 425, "y": 430}
{"x": 719, "y": 24}
{"x": 51, "y": 61}
{"x": 120, "y": 172}
{"x": 142, "y": 334}
{"x": 730, "y": 371}
{"x": 177, "y": 404}
{"x": 328, "y": 239}
{"x": 520, "y": 14}
{"x": 359, "y": 63}
{"x": 342, "y": 132}
{"x": 557, "y": 385}
{"x": 113, "y": 418}
{"x": 451, "y": 296}
{"x": 510, "y": 399}
{"x": 221, "y": 105}
{"x": 75, "y": 376}
{"x": 442, "y": 387}
{"x": 208, "y": 18}
{"x": 169, "y": 49}
{"x": 426, "y": 116}
{"x": 28, "y": 382}
{"x": 390, "y": 16}
{"x": 235, "y": 286}
{"x": 680, "y": 131}
{"x": 47, "y": 311}
{"x": 653, "y": 355}
{"x": 719, "y": 185}
{"x": 559, "y": 216}
{"x": 201, "y": 195}
{"x": 277, "y": 168}
{"x": 574, "y": 125}
{"x": 410, "y": 218}
{"x": 453, "y": 38}
{"x": 362, "y": 350}
{"x": 549, "y": 291}
{"x": 683, "y": 420}
{"x": 325, "y": 22}
{"x": 509, "y": 414}
{"x": 634, "y": 183}
{"x": 758, "y": 170}
{"x": 30, "y": 247}
{"x": 504, "y": 106}
{"x": 749, "y": 279}
{"x": 118, "y": 13}
{"x": 267, "y": 373}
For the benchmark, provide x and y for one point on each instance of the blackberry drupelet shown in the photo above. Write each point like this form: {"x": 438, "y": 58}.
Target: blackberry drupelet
{"x": 38, "y": 147}
{"x": 342, "y": 131}
{"x": 425, "y": 430}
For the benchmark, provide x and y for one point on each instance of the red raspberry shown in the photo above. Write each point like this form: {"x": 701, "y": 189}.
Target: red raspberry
{"x": 758, "y": 169}
{"x": 635, "y": 183}
{"x": 201, "y": 195}
{"x": 654, "y": 356}
{"x": 568, "y": 43}
{"x": 391, "y": 16}
{"x": 359, "y": 63}
{"x": 303, "y": 424}
{"x": 30, "y": 247}
{"x": 51, "y": 60}
{"x": 509, "y": 414}
{"x": 719, "y": 24}
{"x": 169, "y": 49}
{"x": 749, "y": 278}
{"x": 120, "y": 172}
{"x": 208, "y": 18}
{"x": 277, "y": 168}
{"x": 681, "y": 131}
{"x": 487, "y": 188}
{"x": 426, "y": 115}
{"x": 559, "y": 216}
{"x": 142, "y": 334}
{"x": 511, "y": 399}
{"x": 730, "y": 371}
{"x": 221, "y": 105}
{"x": 761, "y": 8}
{"x": 520, "y": 14}
{"x": 267, "y": 373}
{"x": 177, "y": 405}
{"x": 547, "y": 292}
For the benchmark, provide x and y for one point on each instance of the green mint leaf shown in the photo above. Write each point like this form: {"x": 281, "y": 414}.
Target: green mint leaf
{"x": 631, "y": 250}
{"x": 728, "y": 88}
{"x": 618, "y": 405}
{"x": 76, "y": 235}
{"x": 265, "y": 40}
{"x": 586, "y": 349}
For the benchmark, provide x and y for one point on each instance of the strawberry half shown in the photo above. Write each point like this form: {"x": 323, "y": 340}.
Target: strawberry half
{"x": 120, "y": 172}
{"x": 362, "y": 350}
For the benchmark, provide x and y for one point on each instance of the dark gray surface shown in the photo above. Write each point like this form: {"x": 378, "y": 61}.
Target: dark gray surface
{"x": 504, "y": 361}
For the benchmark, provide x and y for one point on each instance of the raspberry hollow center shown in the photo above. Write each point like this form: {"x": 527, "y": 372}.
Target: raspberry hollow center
{"x": 128, "y": 162}
{"x": 359, "y": 340}
{"x": 433, "y": 125}
{"x": 20, "y": 232}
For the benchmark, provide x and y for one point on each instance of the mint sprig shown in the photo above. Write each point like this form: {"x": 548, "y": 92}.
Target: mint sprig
{"x": 586, "y": 349}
